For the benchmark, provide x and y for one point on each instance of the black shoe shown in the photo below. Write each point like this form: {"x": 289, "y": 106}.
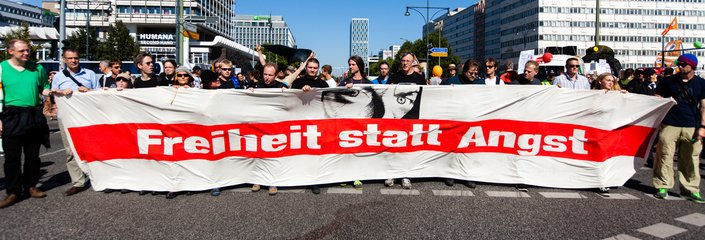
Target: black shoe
{"x": 154, "y": 193}
{"x": 109, "y": 190}
{"x": 450, "y": 182}
{"x": 124, "y": 191}
{"x": 141, "y": 193}
{"x": 316, "y": 189}
{"x": 171, "y": 195}
{"x": 470, "y": 184}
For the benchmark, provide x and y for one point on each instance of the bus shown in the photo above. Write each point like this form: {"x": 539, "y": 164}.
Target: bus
{"x": 53, "y": 65}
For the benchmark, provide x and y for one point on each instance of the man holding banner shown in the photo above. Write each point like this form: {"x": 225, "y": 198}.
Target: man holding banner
{"x": 73, "y": 79}
{"x": 682, "y": 128}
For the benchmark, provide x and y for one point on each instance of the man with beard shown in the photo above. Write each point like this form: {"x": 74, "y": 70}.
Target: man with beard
{"x": 683, "y": 129}
{"x": 407, "y": 75}
{"x": 383, "y": 73}
{"x": 469, "y": 75}
{"x": 355, "y": 74}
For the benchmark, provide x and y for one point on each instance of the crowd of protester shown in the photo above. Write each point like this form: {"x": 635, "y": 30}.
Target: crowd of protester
{"x": 306, "y": 77}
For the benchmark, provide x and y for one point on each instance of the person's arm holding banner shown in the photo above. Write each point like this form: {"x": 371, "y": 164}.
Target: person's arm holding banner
{"x": 290, "y": 79}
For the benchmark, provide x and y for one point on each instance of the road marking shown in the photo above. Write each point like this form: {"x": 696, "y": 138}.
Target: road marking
{"x": 50, "y": 153}
{"x": 569, "y": 195}
{"x": 622, "y": 237}
{"x": 621, "y": 196}
{"x": 662, "y": 230}
{"x": 697, "y": 219}
{"x": 344, "y": 191}
{"x": 399, "y": 192}
{"x": 513, "y": 194}
{"x": 670, "y": 197}
{"x": 453, "y": 193}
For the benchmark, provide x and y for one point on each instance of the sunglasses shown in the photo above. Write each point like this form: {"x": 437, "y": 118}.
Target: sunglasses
{"x": 226, "y": 69}
{"x": 121, "y": 79}
{"x": 182, "y": 75}
{"x": 682, "y": 64}
{"x": 148, "y": 63}
{"x": 573, "y": 66}
{"x": 489, "y": 66}
{"x": 117, "y": 67}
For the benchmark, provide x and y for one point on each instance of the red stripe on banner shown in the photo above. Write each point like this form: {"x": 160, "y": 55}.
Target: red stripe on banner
{"x": 179, "y": 142}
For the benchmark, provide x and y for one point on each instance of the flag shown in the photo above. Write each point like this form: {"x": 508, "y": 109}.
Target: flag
{"x": 673, "y": 25}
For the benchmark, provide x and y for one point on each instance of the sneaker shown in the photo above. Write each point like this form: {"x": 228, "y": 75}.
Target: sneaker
{"x": 603, "y": 191}
{"x": 256, "y": 187}
{"x": 470, "y": 184}
{"x": 522, "y": 188}
{"x": 171, "y": 195}
{"x": 450, "y": 182}
{"x": 389, "y": 182}
{"x": 215, "y": 192}
{"x": 695, "y": 197}
{"x": 316, "y": 189}
{"x": 357, "y": 184}
{"x": 272, "y": 190}
{"x": 662, "y": 193}
{"x": 406, "y": 183}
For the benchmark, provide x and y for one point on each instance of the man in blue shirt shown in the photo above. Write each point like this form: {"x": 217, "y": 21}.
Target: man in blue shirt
{"x": 383, "y": 74}
{"x": 83, "y": 80}
{"x": 682, "y": 129}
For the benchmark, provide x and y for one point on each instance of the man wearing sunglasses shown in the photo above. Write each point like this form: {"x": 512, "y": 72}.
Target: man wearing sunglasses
{"x": 470, "y": 75}
{"x": 145, "y": 63}
{"x": 226, "y": 78}
{"x": 682, "y": 129}
{"x": 571, "y": 78}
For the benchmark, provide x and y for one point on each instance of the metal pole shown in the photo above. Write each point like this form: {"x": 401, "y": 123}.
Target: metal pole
{"x": 179, "y": 11}
{"x": 88, "y": 24}
{"x": 597, "y": 22}
{"x": 426, "y": 30}
{"x": 62, "y": 30}
{"x": 663, "y": 48}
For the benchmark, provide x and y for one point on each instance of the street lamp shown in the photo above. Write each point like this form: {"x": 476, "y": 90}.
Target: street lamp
{"x": 525, "y": 32}
{"x": 426, "y": 21}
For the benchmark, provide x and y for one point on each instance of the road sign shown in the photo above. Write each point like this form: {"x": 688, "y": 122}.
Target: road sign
{"x": 190, "y": 27}
{"x": 191, "y": 35}
{"x": 439, "y": 52}
{"x": 195, "y": 19}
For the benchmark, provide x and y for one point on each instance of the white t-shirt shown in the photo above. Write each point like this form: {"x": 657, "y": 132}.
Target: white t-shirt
{"x": 436, "y": 81}
{"x": 331, "y": 83}
{"x": 492, "y": 81}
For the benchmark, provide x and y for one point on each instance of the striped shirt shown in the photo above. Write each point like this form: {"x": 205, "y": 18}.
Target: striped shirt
{"x": 581, "y": 82}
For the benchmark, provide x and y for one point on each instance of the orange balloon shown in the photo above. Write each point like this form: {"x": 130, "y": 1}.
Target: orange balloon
{"x": 437, "y": 71}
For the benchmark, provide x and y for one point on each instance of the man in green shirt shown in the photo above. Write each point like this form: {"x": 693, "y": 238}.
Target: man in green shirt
{"x": 23, "y": 126}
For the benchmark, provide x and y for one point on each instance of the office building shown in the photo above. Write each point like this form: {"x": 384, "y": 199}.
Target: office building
{"x": 154, "y": 24}
{"x": 359, "y": 38}
{"x": 253, "y": 30}
{"x": 501, "y": 29}
{"x": 14, "y": 13}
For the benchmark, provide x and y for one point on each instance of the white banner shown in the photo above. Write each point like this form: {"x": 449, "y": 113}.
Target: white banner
{"x": 163, "y": 139}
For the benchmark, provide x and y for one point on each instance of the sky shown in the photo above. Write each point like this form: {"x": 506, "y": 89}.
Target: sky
{"x": 324, "y": 25}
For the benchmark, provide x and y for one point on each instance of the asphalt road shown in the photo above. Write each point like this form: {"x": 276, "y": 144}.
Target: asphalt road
{"x": 430, "y": 210}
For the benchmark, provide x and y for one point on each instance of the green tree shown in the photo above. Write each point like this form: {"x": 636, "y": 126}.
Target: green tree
{"x": 119, "y": 44}
{"x": 77, "y": 41}
{"x": 19, "y": 33}
{"x": 417, "y": 47}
